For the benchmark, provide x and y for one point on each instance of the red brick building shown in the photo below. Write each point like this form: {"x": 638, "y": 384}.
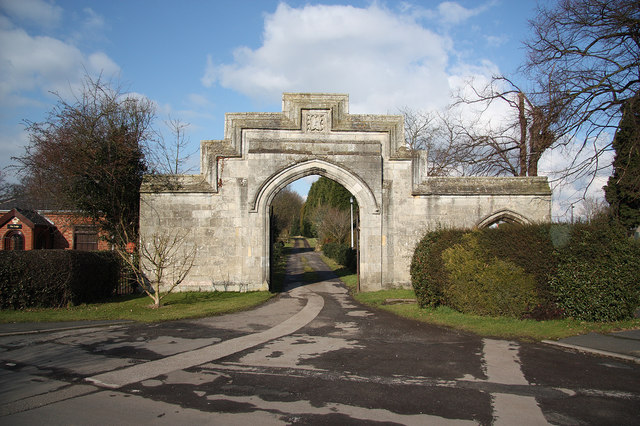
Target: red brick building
{"x": 22, "y": 229}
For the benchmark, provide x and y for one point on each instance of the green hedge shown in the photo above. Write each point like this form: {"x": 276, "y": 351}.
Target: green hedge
{"x": 587, "y": 272}
{"x": 598, "y": 277}
{"x": 341, "y": 253}
{"x": 530, "y": 248}
{"x": 56, "y": 278}
{"x": 428, "y": 273}
{"x": 492, "y": 287}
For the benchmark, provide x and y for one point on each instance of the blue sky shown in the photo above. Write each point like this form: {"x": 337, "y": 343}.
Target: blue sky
{"x": 199, "y": 59}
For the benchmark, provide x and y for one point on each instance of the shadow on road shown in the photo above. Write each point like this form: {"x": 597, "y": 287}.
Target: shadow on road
{"x": 305, "y": 266}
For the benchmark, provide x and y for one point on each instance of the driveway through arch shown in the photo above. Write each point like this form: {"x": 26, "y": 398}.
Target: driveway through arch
{"x": 369, "y": 213}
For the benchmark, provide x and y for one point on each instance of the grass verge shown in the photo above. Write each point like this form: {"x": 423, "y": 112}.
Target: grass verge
{"x": 346, "y": 275}
{"x": 176, "y": 306}
{"x": 500, "y": 327}
{"x": 313, "y": 242}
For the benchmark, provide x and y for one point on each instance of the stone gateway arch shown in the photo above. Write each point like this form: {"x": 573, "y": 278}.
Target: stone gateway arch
{"x": 224, "y": 210}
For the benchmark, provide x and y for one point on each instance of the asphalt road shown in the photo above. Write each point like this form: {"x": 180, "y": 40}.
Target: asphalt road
{"x": 312, "y": 356}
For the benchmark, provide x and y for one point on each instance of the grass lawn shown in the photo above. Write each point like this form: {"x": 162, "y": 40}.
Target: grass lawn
{"x": 137, "y": 308}
{"x": 500, "y": 327}
{"x": 175, "y": 306}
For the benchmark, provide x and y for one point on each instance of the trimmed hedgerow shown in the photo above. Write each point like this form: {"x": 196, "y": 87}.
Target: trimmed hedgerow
{"x": 428, "y": 274}
{"x": 486, "y": 287}
{"x": 341, "y": 253}
{"x": 56, "y": 278}
{"x": 587, "y": 272}
{"x": 598, "y": 270}
{"x": 531, "y": 248}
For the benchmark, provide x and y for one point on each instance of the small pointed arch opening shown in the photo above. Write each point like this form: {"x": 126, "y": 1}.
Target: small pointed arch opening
{"x": 502, "y": 217}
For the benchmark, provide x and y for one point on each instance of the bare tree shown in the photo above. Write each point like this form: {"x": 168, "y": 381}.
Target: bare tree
{"x": 171, "y": 157}
{"x": 164, "y": 262}
{"x": 458, "y": 147}
{"x": 592, "y": 208}
{"x": 333, "y": 224}
{"x": 6, "y": 189}
{"x": 439, "y": 136}
{"x": 286, "y": 207}
{"x": 583, "y": 65}
{"x": 586, "y": 53}
{"x": 418, "y": 129}
{"x": 515, "y": 144}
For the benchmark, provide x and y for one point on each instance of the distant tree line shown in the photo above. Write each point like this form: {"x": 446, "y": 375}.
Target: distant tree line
{"x": 325, "y": 214}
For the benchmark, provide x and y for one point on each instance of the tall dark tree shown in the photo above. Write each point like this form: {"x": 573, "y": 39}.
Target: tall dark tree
{"x": 325, "y": 191}
{"x": 89, "y": 155}
{"x": 623, "y": 188}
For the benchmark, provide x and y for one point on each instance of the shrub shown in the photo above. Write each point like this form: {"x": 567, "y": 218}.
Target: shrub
{"x": 477, "y": 286}
{"x": 278, "y": 266}
{"x": 341, "y": 253}
{"x": 56, "y": 278}
{"x": 598, "y": 270}
{"x": 329, "y": 249}
{"x": 589, "y": 272}
{"x": 428, "y": 274}
{"x": 531, "y": 248}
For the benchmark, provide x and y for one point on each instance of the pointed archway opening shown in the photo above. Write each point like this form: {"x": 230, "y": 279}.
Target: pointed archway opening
{"x": 314, "y": 213}
{"x": 366, "y": 212}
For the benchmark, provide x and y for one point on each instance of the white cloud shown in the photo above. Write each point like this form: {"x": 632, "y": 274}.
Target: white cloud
{"x": 382, "y": 59}
{"x": 198, "y": 101}
{"x": 93, "y": 21}
{"x": 453, "y": 13}
{"x": 33, "y": 63}
{"x": 100, "y": 62}
{"x": 446, "y": 13}
{"x": 496, "y": 41}
{"x": 85, "y": 27}
{"x": 211, "y": 73}
{"x": 33, "y": 12}
{"x": 43, "y": 64}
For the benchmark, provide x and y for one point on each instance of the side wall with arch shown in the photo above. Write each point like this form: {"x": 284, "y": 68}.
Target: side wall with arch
{"x": 224, "y": 210}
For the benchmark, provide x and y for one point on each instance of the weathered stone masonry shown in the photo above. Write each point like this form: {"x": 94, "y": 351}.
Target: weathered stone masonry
{"x": 224, "y": 210}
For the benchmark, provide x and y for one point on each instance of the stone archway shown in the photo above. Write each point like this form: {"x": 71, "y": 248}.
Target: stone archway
{"x": 370, "y": 218}
{"x": 224, "y": 209}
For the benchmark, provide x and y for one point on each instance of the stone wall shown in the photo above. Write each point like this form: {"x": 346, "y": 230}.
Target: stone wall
{"x": 224, "y": 209}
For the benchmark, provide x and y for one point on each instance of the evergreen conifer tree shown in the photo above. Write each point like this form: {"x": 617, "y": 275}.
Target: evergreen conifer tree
{"x": 622, "y": 191}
